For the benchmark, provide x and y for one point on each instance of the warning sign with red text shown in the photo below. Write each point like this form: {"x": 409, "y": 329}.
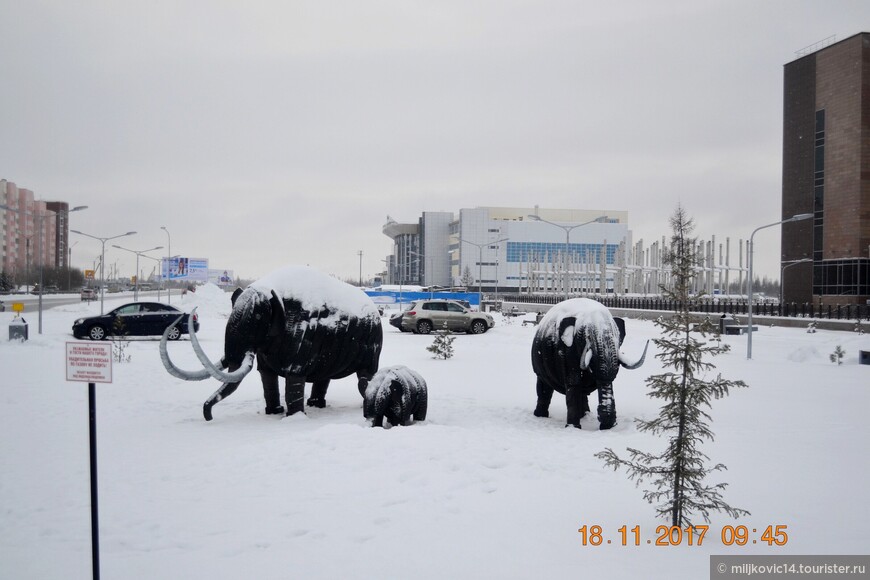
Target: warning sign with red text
{"x": 89, "y": 362}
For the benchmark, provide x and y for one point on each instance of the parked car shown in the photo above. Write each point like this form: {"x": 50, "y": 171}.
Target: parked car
{"x": 396, "y": 320}
{"x": 89, "y": 294}
{"x": 135, "y": 319}
{"x": 424, "y": 316}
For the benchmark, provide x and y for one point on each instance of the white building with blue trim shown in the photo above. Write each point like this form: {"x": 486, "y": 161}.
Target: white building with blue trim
{"x": 509, "y": 250}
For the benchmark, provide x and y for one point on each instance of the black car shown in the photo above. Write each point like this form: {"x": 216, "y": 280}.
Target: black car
{"x": 135, "y": 319}
{"x": 396, "y": 320}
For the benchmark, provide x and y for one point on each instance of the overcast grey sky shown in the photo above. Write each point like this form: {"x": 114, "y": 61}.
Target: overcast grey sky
{"x": 266, "y": 133}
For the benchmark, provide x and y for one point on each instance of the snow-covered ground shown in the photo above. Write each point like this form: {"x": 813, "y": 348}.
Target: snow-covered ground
{"x": 482, "y": 489}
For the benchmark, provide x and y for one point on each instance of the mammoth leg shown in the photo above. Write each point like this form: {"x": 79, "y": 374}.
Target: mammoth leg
{"x": 378, "y": 419}
{"x": 575, "y": 400}
{"x": 420, "y": 411}
{"x": 586, "y": 387}
{"x": 223, "y": 392}
{"x": 318, "y": 394}
{"x": 545, "y": 395}
{"x": 606, "y": 406}
{"x": 294, "y": 394}
{"x": 400, "y": 404}
{"x": 271, "y": 391}
{"x": 363, "y": 382}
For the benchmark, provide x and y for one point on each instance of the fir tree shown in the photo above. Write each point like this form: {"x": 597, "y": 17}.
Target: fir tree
{"x": 467, "y": 277}
{"x": 838, "y": 354}
{"x": 678, "y": 473}
{"x": 442, "y": 346}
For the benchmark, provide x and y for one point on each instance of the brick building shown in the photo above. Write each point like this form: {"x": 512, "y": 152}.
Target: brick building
{"x": 37, "y": 233}
{"x": 826, "y": 172}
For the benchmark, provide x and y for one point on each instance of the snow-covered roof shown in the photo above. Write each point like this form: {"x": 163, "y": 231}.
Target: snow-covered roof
{"x": 314, "y": 290}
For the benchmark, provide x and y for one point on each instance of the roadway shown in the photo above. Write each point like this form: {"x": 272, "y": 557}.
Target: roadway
{"x": 31, "y": 302}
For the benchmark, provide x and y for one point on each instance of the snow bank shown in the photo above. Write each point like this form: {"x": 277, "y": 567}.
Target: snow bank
{"x": 208, "y": 298}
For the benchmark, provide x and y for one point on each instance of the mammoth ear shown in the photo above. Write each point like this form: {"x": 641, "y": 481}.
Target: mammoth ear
{"x": 278, "y": 316}
{"x": 620, "y": 324}
{"x": 235, "y": 295}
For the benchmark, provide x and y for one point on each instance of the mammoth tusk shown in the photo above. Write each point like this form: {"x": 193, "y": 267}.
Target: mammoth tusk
{"x": 168, "y": 364}
{"x": 586, "y": 357}
{"x": 211, "y": 368}
{"x": 632, "y": 366}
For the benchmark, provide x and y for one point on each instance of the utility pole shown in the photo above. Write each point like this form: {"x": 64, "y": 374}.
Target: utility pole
{"x": 360, "y": 253}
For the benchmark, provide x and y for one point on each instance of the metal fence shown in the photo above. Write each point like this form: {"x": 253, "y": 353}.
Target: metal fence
{"x": 806, "y": 310}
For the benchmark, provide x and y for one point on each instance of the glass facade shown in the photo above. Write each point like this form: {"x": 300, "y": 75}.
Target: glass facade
{"x": 819, "y": 187}
{"x": 847, "y": 277}
{"x": 549, "y": 251}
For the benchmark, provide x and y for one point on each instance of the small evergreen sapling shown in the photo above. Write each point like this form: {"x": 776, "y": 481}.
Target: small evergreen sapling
{"x": 119, "y": 345}
{"x": 442, "y": 346}
{"x": 838, "y": 354}
{"x": 677, "y": 474}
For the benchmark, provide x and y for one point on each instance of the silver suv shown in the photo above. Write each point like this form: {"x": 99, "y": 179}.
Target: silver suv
{"x": 424, "y": 316}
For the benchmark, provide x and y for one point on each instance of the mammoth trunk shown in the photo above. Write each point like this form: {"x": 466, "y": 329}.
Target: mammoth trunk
{"x": 601, "y": 344}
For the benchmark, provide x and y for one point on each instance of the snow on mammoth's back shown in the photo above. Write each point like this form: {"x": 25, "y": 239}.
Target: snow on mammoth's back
{"x": 583, "y": 309}
{"x": 314, "y": 290}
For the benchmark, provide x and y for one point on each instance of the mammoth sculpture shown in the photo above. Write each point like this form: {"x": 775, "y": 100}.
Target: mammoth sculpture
{"x": 397, "y": 393}
{"x": 576, "y": 351}
{"x": 300, "y": 324}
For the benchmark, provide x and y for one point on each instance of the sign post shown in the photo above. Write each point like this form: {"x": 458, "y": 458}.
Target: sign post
{"x": 91, "y": 363}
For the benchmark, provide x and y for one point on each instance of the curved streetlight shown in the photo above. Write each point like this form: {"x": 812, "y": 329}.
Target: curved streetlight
{"x": 794, "y": 218}
{"x": 480, "y": 267}
{"x": 599, "y": 219}
{"x": 40, "y": 216}
{"x": 168, "y": 254}
{"x": 102, "y": 259}
{"x": 138, "y": 253}
{"x": 788, "y": 265}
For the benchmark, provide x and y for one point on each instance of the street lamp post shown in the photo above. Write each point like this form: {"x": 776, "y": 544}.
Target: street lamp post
{"x": 138, "y": 253}
{"x": 568, "y": 229}
{"x": 795, "y": 218}
{"x": 431, "y": 261}
{"x": 102, "y": 259}
{"x": 40, "y": 216}
{"x": 27, "y": 265}
{"x": 480, "y": 267}
{"x": 159, "y": 262}
{"x": 782, "y": 277}
{"x": 168, "y": 254}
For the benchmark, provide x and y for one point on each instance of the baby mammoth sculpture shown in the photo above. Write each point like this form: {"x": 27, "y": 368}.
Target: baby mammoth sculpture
{"x": 300, "y": 324}
{"x": 576, "y": 351}
{"x": 397, "y": 393}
